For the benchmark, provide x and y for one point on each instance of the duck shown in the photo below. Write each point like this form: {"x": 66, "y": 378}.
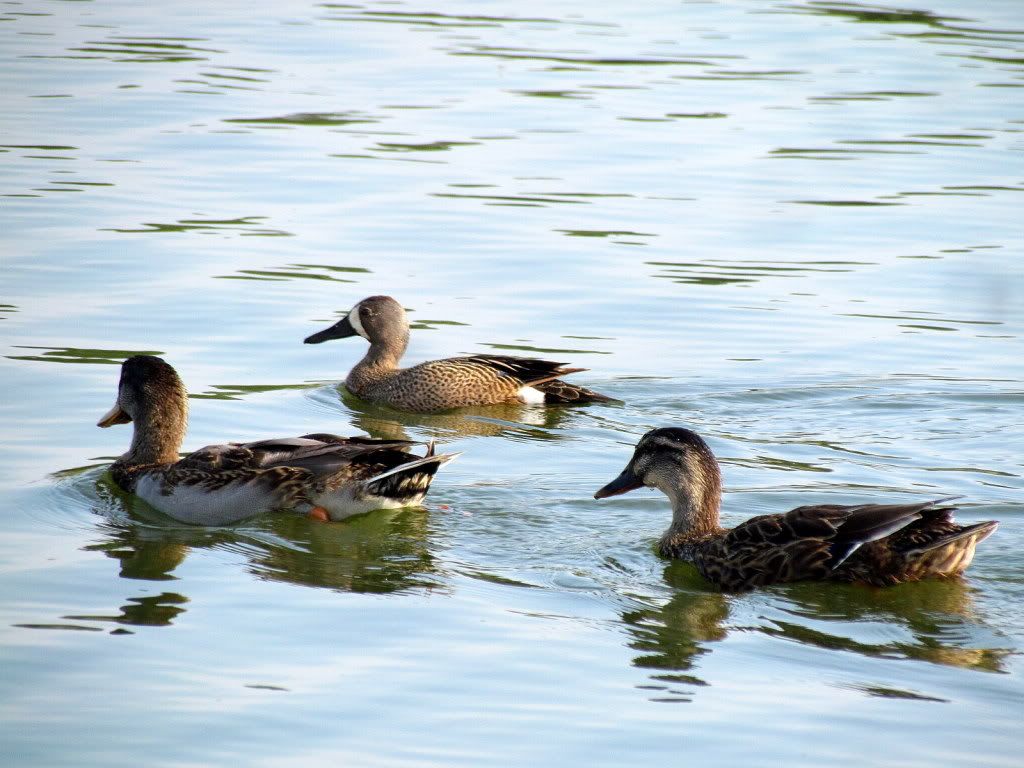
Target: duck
{"x": 874, "y": 544}
{"x": 440, "y": 385}
{"x": 325, "y": 476}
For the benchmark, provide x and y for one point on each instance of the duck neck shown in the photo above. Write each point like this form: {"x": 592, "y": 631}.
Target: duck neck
{"x": 694, "y": 508}
{"x": 381, "y": 359}
{"x": 157, "y": 437}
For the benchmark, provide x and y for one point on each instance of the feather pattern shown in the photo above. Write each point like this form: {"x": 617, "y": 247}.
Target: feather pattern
{"x": 221, "y": 484}
{"x": 438, "y": 385}
{"x": 877, "y": 544}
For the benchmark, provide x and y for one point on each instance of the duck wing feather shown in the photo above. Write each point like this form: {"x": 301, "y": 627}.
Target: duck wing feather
{"x": 808, "y": 542}
{"x": 542, "y": 375}
{"x": 320, "y": 453}
{"x": 528, "y": 370}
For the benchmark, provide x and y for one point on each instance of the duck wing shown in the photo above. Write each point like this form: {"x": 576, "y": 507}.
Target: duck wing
{"x": 542, "y": 375}
{"x": 324, "y": 454}
{"x": 808, "y": 542}
{"x": 215, "y": 458}
{"x": 528, "y": 370}
{"x": 320, "y": 453}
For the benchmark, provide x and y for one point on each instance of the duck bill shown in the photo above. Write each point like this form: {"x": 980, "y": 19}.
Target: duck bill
{"x": 340, "y": 330}
{"x": 115, "y": 415}
{"x": 624, "y": 483}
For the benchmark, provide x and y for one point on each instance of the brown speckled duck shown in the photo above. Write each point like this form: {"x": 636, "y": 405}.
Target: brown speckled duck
{"x": 877, "y": 544}
{"x": 324, "y": 476}
{"x": 439, "y": 385}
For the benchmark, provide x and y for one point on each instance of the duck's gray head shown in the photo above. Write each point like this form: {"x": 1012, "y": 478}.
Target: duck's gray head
{"x": 148, "y": 387}
{"x": 377, "y": 318}
{"x": 678, "y": 463}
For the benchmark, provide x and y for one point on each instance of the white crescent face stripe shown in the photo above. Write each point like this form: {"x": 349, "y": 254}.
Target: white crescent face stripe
{"x": 353, "y": 318}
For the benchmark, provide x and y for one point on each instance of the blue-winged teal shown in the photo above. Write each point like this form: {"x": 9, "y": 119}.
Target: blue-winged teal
{"x": 325, "y": 476}
{"x": 877, "y": 544}
{"x": 439, "y": 385}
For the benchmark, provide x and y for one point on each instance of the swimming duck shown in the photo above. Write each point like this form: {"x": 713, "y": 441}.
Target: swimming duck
{"x": 876, "y": 544}
{"x": 322, "y": 475}
{"x": 439, "y": 385}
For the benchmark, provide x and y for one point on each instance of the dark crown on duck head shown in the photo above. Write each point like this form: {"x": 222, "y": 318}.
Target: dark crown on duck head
{"x": 667, "y": 458}
{"x": 667, "y": 440}
{"x": 138, "y": 369}
{"x": 152, "y": 379}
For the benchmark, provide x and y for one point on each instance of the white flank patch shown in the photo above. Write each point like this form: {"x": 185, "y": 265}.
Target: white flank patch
{"x": 353, "y": 318}
{"x": 343, "y": 503}
{"x": 191, "y": 504}
{"x": 531, "y": 396}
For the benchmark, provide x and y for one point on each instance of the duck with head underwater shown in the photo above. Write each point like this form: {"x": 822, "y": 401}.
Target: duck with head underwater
{"x": 439, "y": 385}
{"x": 876, "y": 544}
{"x": 325, "y": 476}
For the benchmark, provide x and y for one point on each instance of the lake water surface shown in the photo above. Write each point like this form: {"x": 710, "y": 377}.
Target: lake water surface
{"x": 794, "y": 227}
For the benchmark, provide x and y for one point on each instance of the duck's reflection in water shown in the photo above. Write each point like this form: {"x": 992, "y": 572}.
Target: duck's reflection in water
{"x": 671, "y": 639}
{"x": 527, "y": 422}
{"x": 937, "y": 619}
{"x": 144, "y": 611}
{"x": 384, "y": 551}
{"x": 381, "y": 552}
{"x": 934, "y": 621}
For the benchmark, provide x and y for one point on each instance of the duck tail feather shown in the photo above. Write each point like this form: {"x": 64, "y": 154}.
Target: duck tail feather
{"x": 979, "y": 531}
{"x": 434, "y": 462}
{"x": 558, "y": 391}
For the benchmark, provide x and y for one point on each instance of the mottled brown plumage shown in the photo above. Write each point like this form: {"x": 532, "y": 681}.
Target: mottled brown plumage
{"x": 439, "y": 385}
{"x": 219, "y": 484}
{"x": 877, "y": 544}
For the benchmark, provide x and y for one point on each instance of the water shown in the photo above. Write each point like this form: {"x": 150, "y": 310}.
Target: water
{"x": 793, "y": 227}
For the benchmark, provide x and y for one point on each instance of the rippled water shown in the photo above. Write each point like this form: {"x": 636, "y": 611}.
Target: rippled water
{"x": 792, "y": 226}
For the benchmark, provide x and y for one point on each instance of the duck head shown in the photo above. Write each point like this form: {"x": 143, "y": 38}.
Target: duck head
{"x": 680, "y": 464}
{"x": 378, "y": 319}
{"x": 152, "y": 395}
